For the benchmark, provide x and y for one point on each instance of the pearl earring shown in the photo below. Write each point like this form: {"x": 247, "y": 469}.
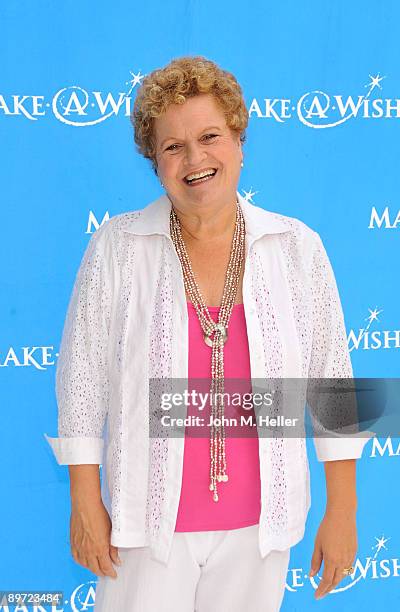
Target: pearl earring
{"x": 242, "y": 164}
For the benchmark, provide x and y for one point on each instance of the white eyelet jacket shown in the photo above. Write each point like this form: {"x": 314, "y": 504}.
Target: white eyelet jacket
{"x": 127, "y": 321}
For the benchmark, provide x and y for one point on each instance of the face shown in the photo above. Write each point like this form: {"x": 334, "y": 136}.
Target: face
{"x": 191, "y": 138}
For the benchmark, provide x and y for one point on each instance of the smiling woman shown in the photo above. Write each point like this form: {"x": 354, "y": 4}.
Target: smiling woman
{"x": 197, "y": 155}
{"x": 175, "y": 84}
{"x": 200, "y": 285}
{"x": 190, "y": 120}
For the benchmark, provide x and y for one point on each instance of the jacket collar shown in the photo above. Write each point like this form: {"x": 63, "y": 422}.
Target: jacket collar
{"x": 154, "y": 219}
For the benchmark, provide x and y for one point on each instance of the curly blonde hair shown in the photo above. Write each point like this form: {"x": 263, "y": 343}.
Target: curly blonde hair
{"x": 183, "y": 78}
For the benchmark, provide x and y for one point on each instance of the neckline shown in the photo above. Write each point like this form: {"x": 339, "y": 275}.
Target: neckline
{"x": 212, "y": 308}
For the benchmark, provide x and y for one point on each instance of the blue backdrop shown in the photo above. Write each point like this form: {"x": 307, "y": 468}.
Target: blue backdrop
{"x": 321, "y": 82}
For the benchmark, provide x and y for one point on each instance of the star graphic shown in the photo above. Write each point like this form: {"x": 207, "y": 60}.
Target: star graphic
{"x": 135, "y": 80}
{"x": 373, "y": 316}
{"x": 380, "y": 543}
{"x": 248, "y": 195}
{"x": 374, "y": 83}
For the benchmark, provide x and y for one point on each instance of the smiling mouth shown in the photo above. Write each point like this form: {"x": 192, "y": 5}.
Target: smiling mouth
{"x": 203, "y": 179}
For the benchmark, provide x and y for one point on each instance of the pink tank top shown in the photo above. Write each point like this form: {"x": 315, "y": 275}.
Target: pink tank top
{"x": 239, "y": 498}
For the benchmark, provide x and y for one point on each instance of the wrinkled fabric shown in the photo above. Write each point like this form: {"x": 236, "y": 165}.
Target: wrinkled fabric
{"x": 208, "y": 571}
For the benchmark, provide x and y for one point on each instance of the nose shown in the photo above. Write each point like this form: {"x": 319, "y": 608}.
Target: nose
{"x": 194, "y": 155}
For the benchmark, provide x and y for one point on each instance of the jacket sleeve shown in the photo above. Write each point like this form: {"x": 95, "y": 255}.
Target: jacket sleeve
{"x": 330, "y": 358}
{"x": 82, "y": 382}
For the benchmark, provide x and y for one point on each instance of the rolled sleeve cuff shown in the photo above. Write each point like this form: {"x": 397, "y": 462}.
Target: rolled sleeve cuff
{"x": 76, "y": 451}
{"x": 342, "y": 447}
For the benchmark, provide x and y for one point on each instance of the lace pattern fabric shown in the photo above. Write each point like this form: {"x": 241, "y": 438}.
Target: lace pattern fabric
{"x": 276, "y": 498}
{"x": 96, "y": 348}
{"x": 160, "y": 367}
{"x": 82, "y": 383}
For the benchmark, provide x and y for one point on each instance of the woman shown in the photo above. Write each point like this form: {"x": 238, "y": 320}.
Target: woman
{"x": 199, "y": 283}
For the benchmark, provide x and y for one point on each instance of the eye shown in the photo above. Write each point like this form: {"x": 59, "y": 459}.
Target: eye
{"x": 170, "y": 147}
{"x": 210, "y": 136}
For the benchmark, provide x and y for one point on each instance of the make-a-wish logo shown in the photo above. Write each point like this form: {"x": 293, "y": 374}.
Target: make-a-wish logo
{"x": 83, "y": 597}
{"x": 93, "y": 223}
{"x": 372, "y": 567}
{"x": 366, "y": 338}
{"x": 39, "y": 357}
{"x": 73, "y": 105}
{"x": 384, "y": 448}
{"x": 384, "y": 220}
{"x": 317, "y": 109}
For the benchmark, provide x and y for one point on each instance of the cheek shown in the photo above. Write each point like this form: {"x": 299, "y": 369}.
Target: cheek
{"x": 170, "y": 168}
{"x": 230, "y": 164}
{"x": 229, "y": 157}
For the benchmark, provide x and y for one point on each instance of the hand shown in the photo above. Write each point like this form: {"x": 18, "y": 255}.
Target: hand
{"x": 336, "y": 544}
{"x": 90, "y": 529}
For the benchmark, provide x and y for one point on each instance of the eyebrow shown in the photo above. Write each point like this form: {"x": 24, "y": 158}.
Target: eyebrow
{"x": 211, "y": 127}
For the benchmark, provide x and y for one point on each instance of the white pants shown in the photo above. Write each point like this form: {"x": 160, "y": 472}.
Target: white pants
{"x": 208, "y": 571}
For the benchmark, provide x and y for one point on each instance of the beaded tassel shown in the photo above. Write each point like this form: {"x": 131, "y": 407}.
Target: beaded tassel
{"x": 219, "y": 331}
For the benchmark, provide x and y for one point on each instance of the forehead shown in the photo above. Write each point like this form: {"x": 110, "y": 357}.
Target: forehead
{"x": 191, "y": 116}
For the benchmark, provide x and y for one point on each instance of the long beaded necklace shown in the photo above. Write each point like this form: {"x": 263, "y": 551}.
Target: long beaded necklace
{"x": 215, "y": 334}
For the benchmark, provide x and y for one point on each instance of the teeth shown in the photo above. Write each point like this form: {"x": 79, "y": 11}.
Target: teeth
{"x": 190, "y": 177}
